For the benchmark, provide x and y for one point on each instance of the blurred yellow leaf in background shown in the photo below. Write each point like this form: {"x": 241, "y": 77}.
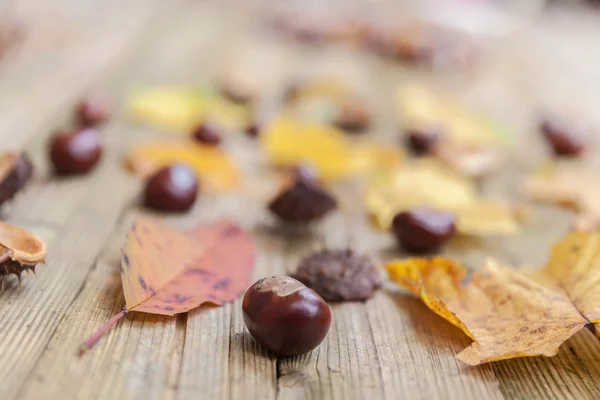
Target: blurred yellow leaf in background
{"x": 180, "y": 108}
{"x": 214, "y": 168}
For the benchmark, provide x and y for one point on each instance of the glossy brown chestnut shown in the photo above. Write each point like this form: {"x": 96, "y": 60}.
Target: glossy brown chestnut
{"x": 207, "y": 133}
{"x": 285, "y": 316}
{"x": 75, "y": 152}
{"x": 423, "y": 229}
{"x": 172, "y": 188}
{"x": 92, "y": 111}
{"x": 422, "y": 142}
{"x": 563, "y": 140}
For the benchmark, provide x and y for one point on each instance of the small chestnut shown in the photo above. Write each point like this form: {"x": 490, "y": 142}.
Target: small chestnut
{"x": 423, "y": 229}
{"x": 207, "y": 133}
{"x": 253, "y": 130}
{"x": 285, "y": 316}
{"x": 564, "y": 140}
{"x": 75, "y": 152}
{"x": 422, "y": 142}
{"x": 172, "y": 188}
{"x": 92, "y": 111}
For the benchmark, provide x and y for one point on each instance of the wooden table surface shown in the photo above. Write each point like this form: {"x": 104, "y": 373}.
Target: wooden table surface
{"x": 390, "y": 347}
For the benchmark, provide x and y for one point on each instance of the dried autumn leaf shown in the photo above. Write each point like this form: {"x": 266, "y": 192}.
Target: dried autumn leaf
{"x": 213, "y": 167}
{"x": 426, "y": 183}
{"x": 290, "y": 142}
{"x": 180, "y": 108}
{"x": 506, "y": 312}
{"x": 167, "y": 272}
{"x": 20, "y": 251}
{"x": 569, "y": 184}
{"x": 471, "y": 143}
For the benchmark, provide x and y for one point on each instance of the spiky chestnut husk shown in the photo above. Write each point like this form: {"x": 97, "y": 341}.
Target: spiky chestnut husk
{"x": 20, "y": 251}
{"x": 339, "y": 274}
{"x": 15, "y": 171}
{"x": 302, "y": 200}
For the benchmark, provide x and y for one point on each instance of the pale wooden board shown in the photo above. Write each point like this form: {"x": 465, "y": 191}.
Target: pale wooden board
{"x": 389, "y": 347}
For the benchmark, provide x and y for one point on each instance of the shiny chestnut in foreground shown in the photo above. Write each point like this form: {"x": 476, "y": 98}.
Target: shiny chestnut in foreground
{"x": 422, "y": 229}
{"x": 75, "y": 152}
{"x": 172, "y": 188}
{"x": 285, "y": 316}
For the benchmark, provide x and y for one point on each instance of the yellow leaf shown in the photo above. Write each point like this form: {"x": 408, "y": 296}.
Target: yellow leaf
{"x": 290, "y": 142}
{"x": 471, "y": 143}
{"x": 426, "y": 183}
{"x": 506, "y": 313}
{"x": 181, "y": 108}
{"x": 215, "y": 170}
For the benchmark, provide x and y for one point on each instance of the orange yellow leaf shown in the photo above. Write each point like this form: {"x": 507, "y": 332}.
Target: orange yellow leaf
{"x": 180, "y": 108}
{"x": 511, "y": 313}
{"x": 506, "y": 313}
{"x": 214, "y": 168}
{"x": 290, "y": 142}
{"x": 427, "y": 183}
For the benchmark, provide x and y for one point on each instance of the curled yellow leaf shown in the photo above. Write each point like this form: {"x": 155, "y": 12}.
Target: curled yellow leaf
{"x": 426, "y": 183}
{"x": 290, "y": 142}
{"x": 180, "y": 108}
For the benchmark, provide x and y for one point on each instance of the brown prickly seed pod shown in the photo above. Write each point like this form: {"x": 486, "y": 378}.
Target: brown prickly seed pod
{"x": 20, "y": 251}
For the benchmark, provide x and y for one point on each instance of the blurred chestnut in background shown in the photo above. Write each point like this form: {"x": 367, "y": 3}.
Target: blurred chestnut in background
{"x": 75, "y": 152}
{"x": 208, "y": 133}
{"x": 92, "y": 111}
{"x": 564, "y": 140}
{"x": 172, "y": 188}
{"x": 285, "y": 316}
{"x": 423, "y": 229}
{"x": 422, "y": 142}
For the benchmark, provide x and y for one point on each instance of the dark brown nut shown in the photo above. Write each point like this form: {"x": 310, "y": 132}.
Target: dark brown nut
{"x": 172, "y": 188}
{"x": 20, "y": 251}
{"x": 353, "y": 115}
{"x": 75, "y": 152}
{"x": 563, "y": 140}
{"x": 422, "y": 142}
{"x": 301, "y": 201}
{"x": 208, "y": 133}
{"x": 15, "y": 171}
{"x": 253, "y": 130}
{"x": 285, "y": 316}
{"x": 423, "y": 229}
{"x": 92, "y": 111}
{"x": 339, "y": 275}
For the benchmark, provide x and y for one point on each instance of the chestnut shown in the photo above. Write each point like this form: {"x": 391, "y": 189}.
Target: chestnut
{"x": 423, "y": 229}
{"x": 92, "y": 111}
{"x": 75, "y": 152}
{"x": 172, "y": 188}
{"x": 564, "y": 140}
{"x": 285, "y": 316}
{"x": 422, "y": 142}
{"x": 207, "y": 133}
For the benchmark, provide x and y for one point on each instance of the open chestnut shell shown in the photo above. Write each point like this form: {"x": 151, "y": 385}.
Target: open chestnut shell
{"x": 20, "y": 251}
{"x": 15, "y": 171}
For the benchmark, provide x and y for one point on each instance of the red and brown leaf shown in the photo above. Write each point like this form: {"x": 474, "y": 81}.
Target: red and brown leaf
{"x": 166, "y": 271}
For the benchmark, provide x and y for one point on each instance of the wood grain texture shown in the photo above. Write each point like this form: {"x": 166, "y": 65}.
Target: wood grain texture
{"x": 389, "y": 347}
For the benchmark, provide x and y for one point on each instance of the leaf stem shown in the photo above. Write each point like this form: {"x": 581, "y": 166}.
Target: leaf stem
{"x": 100, "y": 332}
